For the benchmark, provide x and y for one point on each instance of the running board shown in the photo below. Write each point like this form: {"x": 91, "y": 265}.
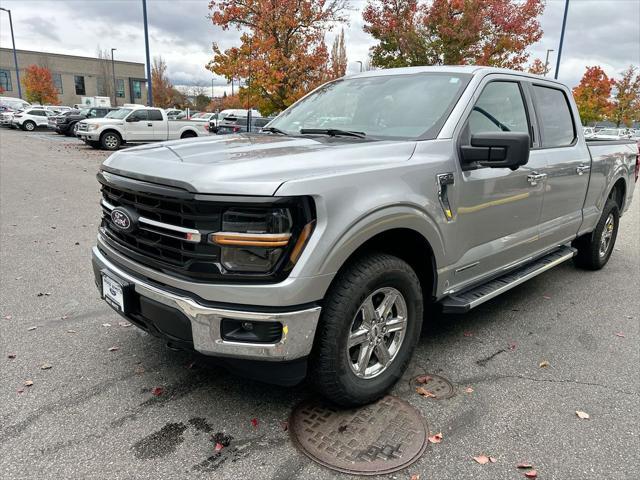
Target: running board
{"x": 466, "y": 300}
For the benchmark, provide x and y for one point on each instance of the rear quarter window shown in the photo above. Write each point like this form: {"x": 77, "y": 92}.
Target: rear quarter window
{"x": 554, "y": 114}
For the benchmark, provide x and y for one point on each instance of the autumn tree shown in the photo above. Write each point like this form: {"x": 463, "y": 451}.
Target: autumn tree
{"x": 453, "y": 32}
{"x": 626, "y": 102}
{"x": 338, "y": 57}
{"x": 104, "y": 78}
{"x": 38, "y": 85}
{"x": 163, "y": 90}
{"x": 282, "y": 54}
{"x": 538, "y": 67}
{"x": 592, "y": 95}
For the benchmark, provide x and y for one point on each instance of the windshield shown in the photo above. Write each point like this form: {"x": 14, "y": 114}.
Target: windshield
{"x": 391, "y": 106}
{"x": 119, "y": 114}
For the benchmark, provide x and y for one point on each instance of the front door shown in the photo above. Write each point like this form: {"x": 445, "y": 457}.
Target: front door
{"x": 497, "y": 210}
{"x": 139, "y": 128}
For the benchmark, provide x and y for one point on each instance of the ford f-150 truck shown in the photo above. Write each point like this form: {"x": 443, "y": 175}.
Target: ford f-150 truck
{"x": 321, "y": 243}
{"x": 135, "y": 123}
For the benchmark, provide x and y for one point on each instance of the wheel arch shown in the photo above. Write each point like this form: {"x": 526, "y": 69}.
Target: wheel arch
{"x": 618, "y": 192}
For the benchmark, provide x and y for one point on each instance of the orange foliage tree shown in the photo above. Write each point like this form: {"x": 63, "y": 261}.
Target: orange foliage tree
{"x": 626, "y": 102}
{"x": 538, "y": 67}
{"x": 592, "y": 95}
{"x": 39, "y": 86}
{"x": 165, "y": 95}
{"x": 452, "y": 32}
{"x": 282, "y": 53}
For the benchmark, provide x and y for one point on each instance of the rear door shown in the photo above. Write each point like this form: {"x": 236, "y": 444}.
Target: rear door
{"x": 160, "y": 127}
{"x": 567, "y": 164}
{"x": 138, "y": 126}
{"x": 498, "y": 209}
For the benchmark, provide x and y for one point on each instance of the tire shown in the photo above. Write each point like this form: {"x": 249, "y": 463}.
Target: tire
{"x": 110, "y": 141}
{"x": 71, "y": 130}
{"x": 333, "y": 365}
{"x": 594, "y": 249}
{"x": 93, "y": 143}
{"x": 188, "y": 134}
{"x": 29, "y": 126}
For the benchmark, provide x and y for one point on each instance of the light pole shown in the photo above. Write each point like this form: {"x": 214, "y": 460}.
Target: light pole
{"x": 564, "y": 24}
{"x": 146, "y": 45}
{"x": 115, "y": 88}
{"x": 546, "y": 61}
{"x": 15, "y": 55}
{"x": 360, "y": 62}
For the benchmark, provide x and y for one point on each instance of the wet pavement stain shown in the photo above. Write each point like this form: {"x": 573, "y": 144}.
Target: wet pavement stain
{"x": 160, "y": 443}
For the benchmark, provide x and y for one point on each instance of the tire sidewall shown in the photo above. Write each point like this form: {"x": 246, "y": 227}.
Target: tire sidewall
{"x": 103, "y": 141}
{"x": 29, "y": 126}
{"x": 410, "y": 289}
{"x": 610, "y": 208}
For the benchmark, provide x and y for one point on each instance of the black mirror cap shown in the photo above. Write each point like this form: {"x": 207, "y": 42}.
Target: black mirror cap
{"x": 131, "y": 119}
{"x": 496, "y": 150}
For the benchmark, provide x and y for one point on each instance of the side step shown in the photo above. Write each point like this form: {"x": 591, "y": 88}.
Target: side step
{"x": 468, "y": 299}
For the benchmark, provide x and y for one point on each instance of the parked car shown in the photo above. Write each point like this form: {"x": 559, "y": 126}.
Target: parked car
{"x": 611, "y": 134}
{"x": 6, "y": 117}
{"x": 68, "y": 124}
{"x": 588, "y": 132}
{"x": 135, "y": 124}
{"x": 319, "y": 249}
{"x": 31, "y": 118}
{"x": 14, "y": 103}
{"x": 172, "y": 113}
{"x": 234, "y": 124}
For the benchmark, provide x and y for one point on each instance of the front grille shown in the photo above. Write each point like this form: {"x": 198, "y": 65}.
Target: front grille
{"x": 164, "y": 248}
{"x": 83, "y": 127}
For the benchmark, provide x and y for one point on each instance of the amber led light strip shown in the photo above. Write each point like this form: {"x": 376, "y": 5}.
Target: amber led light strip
{"x": 235, "y": 239}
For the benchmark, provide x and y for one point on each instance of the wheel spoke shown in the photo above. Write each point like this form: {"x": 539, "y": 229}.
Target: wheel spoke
{"x": 382, "y": 352}
{"x": 395, "y": 324}
{"x": 368, "y": 313}
{"x": 363, "y": 358}
{"x": 386, "y": 305}
{"x": 357, "y": 337}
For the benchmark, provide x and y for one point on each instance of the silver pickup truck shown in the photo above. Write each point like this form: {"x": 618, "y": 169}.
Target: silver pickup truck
{"x": 320, "y": 244}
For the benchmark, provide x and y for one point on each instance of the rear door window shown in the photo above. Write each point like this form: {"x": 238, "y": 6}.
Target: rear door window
{"x": 555, "y": 117}
{"x": 155, "y": 115}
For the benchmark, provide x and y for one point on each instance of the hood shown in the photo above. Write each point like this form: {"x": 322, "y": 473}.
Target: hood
{"x": 251, "y": 164}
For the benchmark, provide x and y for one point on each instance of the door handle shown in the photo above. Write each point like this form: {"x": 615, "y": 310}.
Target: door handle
{"x": 149, "y": 124}
{"x": 580, "y": 169}
{"x": 535, "y": 177}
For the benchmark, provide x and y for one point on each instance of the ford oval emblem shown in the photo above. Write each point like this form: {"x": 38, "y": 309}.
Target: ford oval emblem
{"x": 121, "y": 219}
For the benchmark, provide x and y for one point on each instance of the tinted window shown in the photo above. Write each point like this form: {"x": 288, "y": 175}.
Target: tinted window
{"x": 37, "y": 113}
{"x": 499, "y": 108}
{"x": 57, "y": 81}
{"x": 79, "y": 82}
{"x": 139, "y": 115}
{"x": 155, "y": 115}
{"x": 5, "y": 80}
{"x": 136, "y": 88}
{"x": 120, "y": 88}
{"x": 555, "y": 117}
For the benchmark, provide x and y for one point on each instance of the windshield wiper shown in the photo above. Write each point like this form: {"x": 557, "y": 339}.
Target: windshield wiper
{"x": 332, "y": 132}
{"x": 274, "y": 130}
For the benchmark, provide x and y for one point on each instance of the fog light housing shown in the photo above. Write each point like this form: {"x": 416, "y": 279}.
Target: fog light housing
{"x": 250, "y": 332}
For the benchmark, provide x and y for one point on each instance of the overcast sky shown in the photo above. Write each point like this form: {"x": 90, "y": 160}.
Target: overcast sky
{"x": 599, "y": 32}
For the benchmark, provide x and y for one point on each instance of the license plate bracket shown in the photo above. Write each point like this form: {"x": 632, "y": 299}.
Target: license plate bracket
{"x": 116, "y": 292}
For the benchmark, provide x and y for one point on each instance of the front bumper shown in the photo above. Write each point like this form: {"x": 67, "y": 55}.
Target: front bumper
{"x": 88, "y": 136}
{"x": 298, "y": 326}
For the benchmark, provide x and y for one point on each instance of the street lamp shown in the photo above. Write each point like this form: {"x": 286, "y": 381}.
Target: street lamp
{"x": 546, "y": 61}
{"x": 564, "y": 25}
{"x": 360, "y": 62}
{"x": 146, "y": 45}
{"x": 15, "y": 55}
{"x": 115, "y": 88}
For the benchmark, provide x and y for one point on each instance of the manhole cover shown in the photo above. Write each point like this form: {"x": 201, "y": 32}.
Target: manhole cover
{"x": 439, "y": 386}
{"x": 383, "y": 437}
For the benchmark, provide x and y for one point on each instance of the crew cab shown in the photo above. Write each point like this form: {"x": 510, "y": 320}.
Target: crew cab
{"x": 67, "y": 123}
{"x": 135, "y": 124}
{"x": 320, "y": 245}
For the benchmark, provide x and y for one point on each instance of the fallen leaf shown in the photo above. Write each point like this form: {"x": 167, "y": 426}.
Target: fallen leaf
{"x": 468, "y": 390}
{"x": 221, "y": 438}
{"x": 492, "y": 459}
{"x": 285, "y": 426}
{"x": 64, "y": 317}
{"x": 114, "y": 349}
{"x": 424, "y": 392}
{"x": 106, "y": 324}
{"x": 512, "y": 346}
{"x": 415, "y": 476}
{"x": 11, "y": 355}
{"x": 45, "y": 366}
{"x": 620, "y": 334}
{"x": 467, "y": 334}
{"x": 31, "y": 328}
{"x": 20, "y": 390}
{"x": 254, "y": 422}
{"x": 582, "y": 415}
{"x": 124, "y": 324}
{"x": 482, "y": 459}
{"x": 524, "y": 465}
{"x": 71, "y": 331}
{"x": 546, "y": 297}
{"x": 8, "y": 317}
{"x": 544, "y": 364}
{"x": 139, "y": 370}
{"x": 437, "y": 438}
{"x": 157, "y": 391}
{"x": 531, "y": 474}
{"x": 219, "y": 446}
{"x": 423, "y": 379}
{"x": 28, "y": 383}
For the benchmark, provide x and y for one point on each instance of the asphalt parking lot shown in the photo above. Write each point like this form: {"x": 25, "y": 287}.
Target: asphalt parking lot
{"x": 93, "y": 413}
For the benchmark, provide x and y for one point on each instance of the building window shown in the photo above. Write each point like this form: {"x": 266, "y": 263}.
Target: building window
{"x": 57, "y": 81}
{"x": 79, "y": 81}
{"x": 120, "y": 89}
{"x": 137, "y": 89}
{"x": 102, "y": 88}
{"x": 5, "y": 80}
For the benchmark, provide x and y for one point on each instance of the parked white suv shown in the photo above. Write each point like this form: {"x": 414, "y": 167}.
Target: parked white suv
{"x": 31, "y": 118}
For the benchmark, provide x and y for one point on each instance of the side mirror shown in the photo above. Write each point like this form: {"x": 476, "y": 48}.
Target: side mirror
{"x": 496, "y": 150}
{"x": 132, "y": 118}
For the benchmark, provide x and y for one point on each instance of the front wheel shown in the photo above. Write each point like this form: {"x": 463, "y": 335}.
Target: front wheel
{"x": 369, "y": 327}
{"x": 110, "y": 141}
{"x": 594, "y": 249}
{"x": 29, "y": 126}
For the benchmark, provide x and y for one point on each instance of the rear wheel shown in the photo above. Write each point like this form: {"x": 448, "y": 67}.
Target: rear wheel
{"x": 369, "y": 327}
{"x": 188, "y": 134}
{"x": 594, "y": 249}
{"x": 110, "y": 141}
{"x": 29, "y": 126}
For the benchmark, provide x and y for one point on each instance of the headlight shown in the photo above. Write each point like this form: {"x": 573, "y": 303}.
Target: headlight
{"x": 260, "y": 239}
{"x": 93, "y": 126}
